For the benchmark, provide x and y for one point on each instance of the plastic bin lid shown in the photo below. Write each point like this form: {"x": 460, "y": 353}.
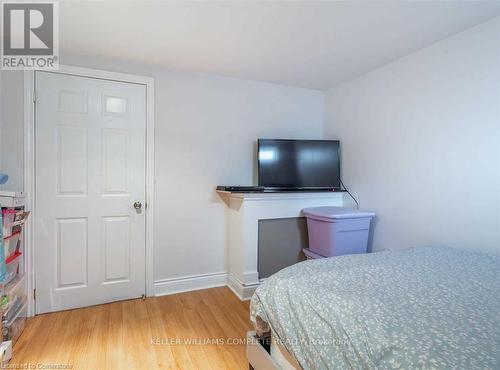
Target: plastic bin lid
{"x": 336, "y": 212}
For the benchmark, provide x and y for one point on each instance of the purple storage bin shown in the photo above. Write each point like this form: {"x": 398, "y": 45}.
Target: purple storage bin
{"x": 334, "y": 231}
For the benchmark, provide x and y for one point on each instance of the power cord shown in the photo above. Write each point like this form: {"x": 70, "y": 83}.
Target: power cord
{"x": 348, "y": 192}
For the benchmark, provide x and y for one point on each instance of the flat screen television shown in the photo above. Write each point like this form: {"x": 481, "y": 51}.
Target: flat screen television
{"x": 299, "y": 164}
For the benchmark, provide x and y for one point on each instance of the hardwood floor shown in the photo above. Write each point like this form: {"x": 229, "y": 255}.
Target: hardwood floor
{"x": 204, "y": 329}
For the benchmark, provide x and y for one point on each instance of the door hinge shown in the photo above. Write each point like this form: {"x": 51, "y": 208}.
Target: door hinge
{"x": 34, "y": 96}
{"x": 34, "y": 293}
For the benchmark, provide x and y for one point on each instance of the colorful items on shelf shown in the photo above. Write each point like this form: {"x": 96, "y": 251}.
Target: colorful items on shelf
{"x": 12, "y": 224}
{"x": 3, "y": 267}
{"x": 13, "y": 298}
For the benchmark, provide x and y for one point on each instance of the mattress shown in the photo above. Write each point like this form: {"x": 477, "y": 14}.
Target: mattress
{"x": 428, "y": 308}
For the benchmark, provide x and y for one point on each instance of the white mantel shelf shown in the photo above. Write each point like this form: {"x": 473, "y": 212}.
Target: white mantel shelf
{"x": 252, "y": 196}
{"x": 243, "y": 213}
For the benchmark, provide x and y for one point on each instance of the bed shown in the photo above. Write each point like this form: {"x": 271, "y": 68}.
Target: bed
{"x": 429, "y": 308}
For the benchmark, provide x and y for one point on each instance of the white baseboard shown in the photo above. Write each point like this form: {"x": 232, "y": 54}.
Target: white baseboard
{"x": 243, "y": 292}
{"x": 189, "y": 283}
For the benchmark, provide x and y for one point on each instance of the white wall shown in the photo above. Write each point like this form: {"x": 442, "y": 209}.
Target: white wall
{"x": 421, "y": 143}
{"x": 206, "y": 128}
{"x": 11, "y": 128}
{"x": 205, "y": 134}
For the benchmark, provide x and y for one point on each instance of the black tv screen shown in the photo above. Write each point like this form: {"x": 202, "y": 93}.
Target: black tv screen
{"x": 299, "y": 164}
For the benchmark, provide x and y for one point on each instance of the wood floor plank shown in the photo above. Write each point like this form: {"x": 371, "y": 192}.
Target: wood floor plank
{"x": 164, "y": 354}
{"x": 195, "y": 330}
{"x": 114, "y": 343}
{"x": 180, "y": 351}
{"x": 231, "y": 359}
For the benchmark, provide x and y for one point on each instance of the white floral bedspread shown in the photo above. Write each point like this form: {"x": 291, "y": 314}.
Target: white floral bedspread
{"x": 422, "y": 308}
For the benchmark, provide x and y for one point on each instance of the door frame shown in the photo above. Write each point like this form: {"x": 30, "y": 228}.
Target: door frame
{"x": 29, "y": 168}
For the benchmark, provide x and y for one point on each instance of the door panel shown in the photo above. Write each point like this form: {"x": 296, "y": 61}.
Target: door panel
{"x": 71, "y": 160}
{"x": 114, "y": 149}
{"x": 90, "y": 161}
{"x": 116, "y": 249}
{"x": 72, "y": 252}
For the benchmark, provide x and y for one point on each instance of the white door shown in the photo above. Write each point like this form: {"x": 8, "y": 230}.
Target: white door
{"x": 90, "y": 161}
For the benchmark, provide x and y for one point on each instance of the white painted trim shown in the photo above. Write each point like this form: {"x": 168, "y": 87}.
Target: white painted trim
{"x": 227, "y": 197}
{"x": 29, "y": 187}
{"x": 104, "y": 75}
{"x": 242, "y": 291}
{"x": 150, "y": 185}
{"x": 189, "y": 283}
{"x": 29, "y": 166}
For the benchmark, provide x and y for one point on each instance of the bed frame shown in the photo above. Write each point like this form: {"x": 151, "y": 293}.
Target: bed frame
{"x": 259, "y": 354}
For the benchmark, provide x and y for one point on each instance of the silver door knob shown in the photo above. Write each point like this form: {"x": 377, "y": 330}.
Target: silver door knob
{"x": 137, "y": 205}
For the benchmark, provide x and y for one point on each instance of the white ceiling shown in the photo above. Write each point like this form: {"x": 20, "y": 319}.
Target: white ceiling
{"x": 306, "y": 44}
